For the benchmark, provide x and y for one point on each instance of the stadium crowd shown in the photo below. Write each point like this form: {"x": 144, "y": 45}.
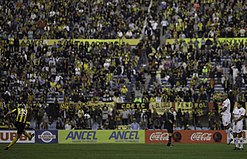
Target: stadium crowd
{"x": 88, "y": 19}
{"x": 103, "y": 19}
{"x": 35, "y": 72}
{"x": 203, "y": 18}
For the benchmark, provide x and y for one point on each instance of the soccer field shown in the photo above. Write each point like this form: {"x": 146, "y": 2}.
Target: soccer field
{"x": 122, "y": 151}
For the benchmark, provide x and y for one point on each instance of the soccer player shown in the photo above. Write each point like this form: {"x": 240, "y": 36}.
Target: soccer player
{"x": 20, "y": 123}
{"x": 226, "y": 117}
{"x": 238, "y": 116}
{"x": 169, "y": 121}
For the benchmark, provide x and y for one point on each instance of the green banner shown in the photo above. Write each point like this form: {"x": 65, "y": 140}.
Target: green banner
{"x": 100, "y": 136}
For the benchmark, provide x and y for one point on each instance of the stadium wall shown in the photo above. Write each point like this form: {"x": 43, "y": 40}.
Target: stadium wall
{"x": 118, "y": 137}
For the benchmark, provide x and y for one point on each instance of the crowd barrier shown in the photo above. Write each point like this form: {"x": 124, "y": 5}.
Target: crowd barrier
{"x": 119, "y": 136}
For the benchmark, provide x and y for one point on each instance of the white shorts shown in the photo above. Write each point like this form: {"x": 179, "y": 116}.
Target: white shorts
{"x": 226, "y": 120}
{"x": 238, "y": 128}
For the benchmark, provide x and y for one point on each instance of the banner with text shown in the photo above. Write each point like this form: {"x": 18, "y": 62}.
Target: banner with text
{"x": 132, "y": 105}
{"x": 160, "y": 107}
{"x": 6, "y": 136}
{"x": 199, "y": 136}
{"x": 156, "y": 136}
{"x": 90, "y": 41}
{"x": 100, "y": 136}
{"x": 87, "y": 104}
{"x": 186, "y": 136}
{"x": 200, "y": 108}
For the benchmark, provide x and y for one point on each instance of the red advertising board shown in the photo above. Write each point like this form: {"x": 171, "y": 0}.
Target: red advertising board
{"x": 244, "y": 136}
{"x": 199, "y": 136}
{"x": 186, "y": 136}
{"x": 156, "y": 136}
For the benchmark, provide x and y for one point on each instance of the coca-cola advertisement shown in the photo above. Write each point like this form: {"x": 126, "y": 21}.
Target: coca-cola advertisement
{"x": 186, "y": 136}
{"x": 156, "y": 136}
{"x": 199, "y": 136}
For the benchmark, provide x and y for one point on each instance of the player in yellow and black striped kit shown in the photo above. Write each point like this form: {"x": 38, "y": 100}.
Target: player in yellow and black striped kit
{"x": 20, "y": 123}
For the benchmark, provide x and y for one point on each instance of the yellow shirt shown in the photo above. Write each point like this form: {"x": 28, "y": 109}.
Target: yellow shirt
{"x": 21, "y": 115}
{"x": 152, "y": 99}
{"x": 200, "y": 26}
{"x": 53, "y": 84}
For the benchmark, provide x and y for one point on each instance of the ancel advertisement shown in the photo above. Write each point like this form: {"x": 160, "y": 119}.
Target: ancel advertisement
{"x": 100, "y": 136}
{"x": 6, "y": 136}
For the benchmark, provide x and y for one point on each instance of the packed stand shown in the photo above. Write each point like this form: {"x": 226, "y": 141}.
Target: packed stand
{"x": 195, "y": 70}
{"x": 67, "y": 71}
{"x": 186, "y": 72}
{"x": 204, "y": 18}
{"x": 79, "y": 72}
{"x": 87, "y": 19}
{"x": 44, "y": 76}
{"x": 198, "y": 69}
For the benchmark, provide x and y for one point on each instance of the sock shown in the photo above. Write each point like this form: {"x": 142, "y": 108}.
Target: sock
{"x": 26, "y": 134}
{"x": 170, "y": 140}
{"x": 236, "y": 141}
{"x": 228, "y": 133}
{"x": 241, "y": 142}
{"x": 13, "y": 142}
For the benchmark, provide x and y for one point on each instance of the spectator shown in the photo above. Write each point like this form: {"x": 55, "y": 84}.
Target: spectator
{"x": 134, "y": 125}
{"x": 59, "y": 123}
{"x": 125, "y": 116}
{"x": 112, "y": 123}
{"x": 67, "y": 125}
{"x": 45, "y": 122}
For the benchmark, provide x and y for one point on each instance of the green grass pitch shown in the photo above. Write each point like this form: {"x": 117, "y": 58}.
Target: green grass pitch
{"x": 122, "y": 151}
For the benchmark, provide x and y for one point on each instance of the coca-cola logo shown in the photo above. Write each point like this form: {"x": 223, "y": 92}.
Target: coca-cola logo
{"x": 201, "y": 136}
{"x": 158, "y": 136}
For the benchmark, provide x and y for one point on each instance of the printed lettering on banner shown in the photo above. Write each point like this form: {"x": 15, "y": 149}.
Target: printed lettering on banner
{"x": 159, "y": 136}
{"x": 201, "y": 136}
{"x": 156, "y": 136}
{"x": 101, "y": 136}
{"x": 125, "y": 136}
{"x": 82, "y": 136}
{"x": 6, "y": 136}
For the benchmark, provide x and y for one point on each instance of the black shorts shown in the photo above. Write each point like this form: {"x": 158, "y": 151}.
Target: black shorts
{"x": 169, "y": 128}
{"x": 20, "y": 127}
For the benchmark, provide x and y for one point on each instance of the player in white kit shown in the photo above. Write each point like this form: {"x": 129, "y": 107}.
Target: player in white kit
{"x": 226, "y": 117}
{"x": 238, "y": 117}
